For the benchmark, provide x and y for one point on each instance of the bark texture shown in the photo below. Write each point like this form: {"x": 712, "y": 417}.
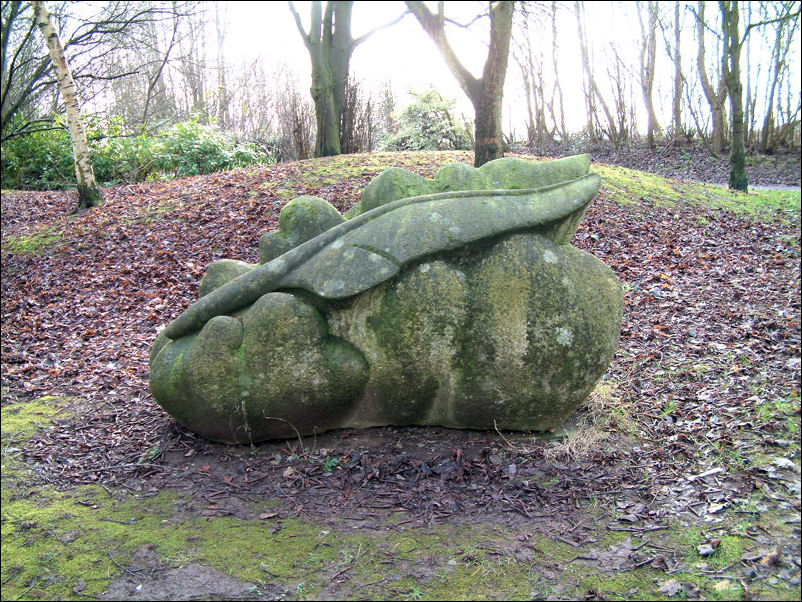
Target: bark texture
{"x": 715, "y": 97}
{"x": 648, "y": 56}
{"x": 88, "y": 192}
{"x": 732, "y": 74}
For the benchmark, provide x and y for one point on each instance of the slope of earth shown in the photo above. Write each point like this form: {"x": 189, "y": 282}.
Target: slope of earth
{"x": 678, "y": 479}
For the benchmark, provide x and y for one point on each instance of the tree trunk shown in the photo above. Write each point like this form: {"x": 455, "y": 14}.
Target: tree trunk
{"x": 487, "y": 128}
{"x": 330, "y": 47}
{"x": 486, "y": 93}
{"x": 592, "y": 92}
{"x": 715, "y": 99}
{"x": 676, "y": 105}
{"x": 88, "y": 192}
{"x": 587, "y": 80}
{"x": 732, "y": 74}
{"x": 647, "y": 61}
{"x": 557, "y": 86}
{"x": 767, "y": 139}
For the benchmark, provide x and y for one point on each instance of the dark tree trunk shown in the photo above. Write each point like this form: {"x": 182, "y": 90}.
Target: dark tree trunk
{"x": 487, "y": 129}
{"x": 330, "y": 47}
{"x": 732, "y": 74}
{"x": 330, "y": 54}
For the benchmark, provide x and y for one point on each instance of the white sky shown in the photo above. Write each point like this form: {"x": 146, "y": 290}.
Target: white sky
{"x": 402, "y": 53}
{"x": 405, "y": 55}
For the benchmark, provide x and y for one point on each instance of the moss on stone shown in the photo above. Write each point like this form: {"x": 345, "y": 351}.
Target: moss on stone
{"x": 391, "y": 185}
{"x": 269, "y": 374}
{"x": 455, "y": 317}
{"x": 222, "y": 272}
{"x": 300, "y": 220}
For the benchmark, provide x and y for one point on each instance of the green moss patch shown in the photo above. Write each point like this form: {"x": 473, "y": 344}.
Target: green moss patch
{"x": 33, "y": 244}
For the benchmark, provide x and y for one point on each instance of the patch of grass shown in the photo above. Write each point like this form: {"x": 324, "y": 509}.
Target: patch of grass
{"x": 33, "y": 244}
{"x": 629, "y": 186}
{"x": 600, "y": 421}
{"x": 287, "y": 194}
{"x": 781, "y": 412}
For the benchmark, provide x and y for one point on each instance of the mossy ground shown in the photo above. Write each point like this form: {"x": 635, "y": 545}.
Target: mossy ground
{"x": 74, "y": 544}
{"x": 35, "y": 243}
{"x": 629, "y": 186}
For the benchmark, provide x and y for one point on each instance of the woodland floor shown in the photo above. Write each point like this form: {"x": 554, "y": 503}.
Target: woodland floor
{"x": 679, "y": 479}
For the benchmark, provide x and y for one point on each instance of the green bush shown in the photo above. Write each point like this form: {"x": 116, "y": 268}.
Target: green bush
{"x": 43, "y": 160}
{"x": 427, "y": 124}
{"x": 191, "y": 148}
{"x": 39, "y": 161}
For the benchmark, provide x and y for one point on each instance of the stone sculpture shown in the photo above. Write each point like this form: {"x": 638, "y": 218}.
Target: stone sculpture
{"x": 456, "y": 301}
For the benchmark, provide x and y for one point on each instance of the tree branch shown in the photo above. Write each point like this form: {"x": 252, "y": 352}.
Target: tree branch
{"x": 365, "y": 36}
{"x": 786, "y": 17}
{"x": 433, "y": 25}
{"x": 305, "y": 36}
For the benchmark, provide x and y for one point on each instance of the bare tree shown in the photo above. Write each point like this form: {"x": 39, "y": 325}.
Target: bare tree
{"x": 88, "y": 192}
{"x": 223, "y": 117}
{"x": 731, "y": 63}
{"x": 93, "y": 43}
{"x": 530, "y": 63}
{"x": 485, "y": 93}
{"x": 648, "y": 55}
{"x": 591, "y": 88}
{"x": 783, "y": 29}
{"x": 359, "y": 126}
{"x": 330, "y": 46}
{"x": 557, "y": 86}
{"x": 672, "y": 36}
{"x": 717, "y": 96}
{"x": 620, "y": 83}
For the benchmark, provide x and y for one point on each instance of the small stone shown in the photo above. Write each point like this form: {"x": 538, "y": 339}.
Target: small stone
{"x": 705, "y": 550}
{"x": 671, "y": 587}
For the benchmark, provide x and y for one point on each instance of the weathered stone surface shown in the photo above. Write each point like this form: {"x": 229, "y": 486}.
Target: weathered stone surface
{"x": 300, "y": 220}
{"x": 222, "y": 272}
{"x": 454, "y": 301}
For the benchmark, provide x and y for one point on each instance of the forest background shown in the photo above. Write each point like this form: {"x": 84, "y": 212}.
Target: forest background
{"x": 186, "y": 88}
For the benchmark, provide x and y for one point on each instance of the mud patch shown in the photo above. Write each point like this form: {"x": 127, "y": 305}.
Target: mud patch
{"x": 190, "y": 582}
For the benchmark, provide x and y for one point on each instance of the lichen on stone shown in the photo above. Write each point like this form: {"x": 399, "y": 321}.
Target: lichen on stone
{"x": 454, "y": 301}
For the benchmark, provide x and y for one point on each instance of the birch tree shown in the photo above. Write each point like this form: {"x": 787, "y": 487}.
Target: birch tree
{"x": 486, "y": 92}
{"x": 88, "y": 192}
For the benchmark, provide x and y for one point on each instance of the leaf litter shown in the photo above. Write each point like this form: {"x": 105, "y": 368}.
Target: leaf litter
{"x": 706, "y": 380}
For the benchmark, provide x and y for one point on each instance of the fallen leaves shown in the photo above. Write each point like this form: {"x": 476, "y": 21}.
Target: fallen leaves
{"x": 710, "y": 342}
